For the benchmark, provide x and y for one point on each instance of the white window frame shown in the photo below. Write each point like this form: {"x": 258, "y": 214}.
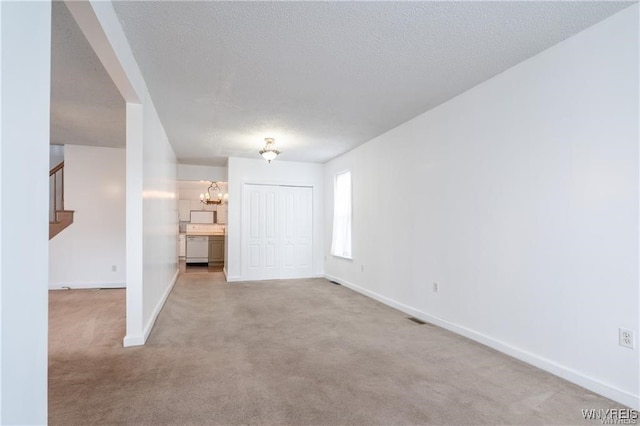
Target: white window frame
{"x": 341, "y": 241}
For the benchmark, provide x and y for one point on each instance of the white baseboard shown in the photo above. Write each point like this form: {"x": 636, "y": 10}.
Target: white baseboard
{"x": 238, "y": 279}
{"x": 84, "y": 286}
{"x": 133, "y": 341}
{"x": 139, "y": 340}
{"x": 233, "y": 279}
{"x": 550, "y": 366}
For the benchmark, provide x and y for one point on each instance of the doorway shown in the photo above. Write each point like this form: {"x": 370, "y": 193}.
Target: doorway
{"x": 202, "y": 226}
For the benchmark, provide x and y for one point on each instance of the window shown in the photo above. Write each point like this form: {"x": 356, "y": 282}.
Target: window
{"x": 341, "y": 242}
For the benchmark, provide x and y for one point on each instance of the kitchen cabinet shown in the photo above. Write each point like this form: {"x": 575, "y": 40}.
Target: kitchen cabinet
{"x": 202, "y": 217}
{"x": 216, "y": 250}
{"x": 182, "y": 245}
{"x": 197, "y": 205}
{"x": 184, "y": 210}
{"x": 222, "y": 214}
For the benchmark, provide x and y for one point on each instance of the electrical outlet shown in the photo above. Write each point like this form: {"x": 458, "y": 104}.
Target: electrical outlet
{"x": 436, "y": 287}
{"x": 361, "y": 268}
{"x": 626, "y": 338}
{"x": 114, "y": 268}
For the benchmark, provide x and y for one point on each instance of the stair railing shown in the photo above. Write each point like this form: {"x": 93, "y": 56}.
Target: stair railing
{"x": 56, "y": 190}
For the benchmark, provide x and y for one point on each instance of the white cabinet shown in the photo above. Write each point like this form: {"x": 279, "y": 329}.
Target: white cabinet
{"x": 222, "y": 213}
{"x": 197, "y": 205}
{"x": 184, "y": 210}
{"x": 182, "y": 245}
{"x": 201, "y": 217}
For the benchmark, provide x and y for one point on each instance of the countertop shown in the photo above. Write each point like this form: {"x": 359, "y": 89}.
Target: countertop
{"x": 205, "y": 234}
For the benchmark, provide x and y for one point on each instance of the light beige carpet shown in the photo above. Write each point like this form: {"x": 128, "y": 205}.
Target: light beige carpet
{"x": 298, "y": 352}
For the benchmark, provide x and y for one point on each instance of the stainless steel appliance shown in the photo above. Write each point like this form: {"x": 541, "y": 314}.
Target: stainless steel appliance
{"x": 197, "y": 249}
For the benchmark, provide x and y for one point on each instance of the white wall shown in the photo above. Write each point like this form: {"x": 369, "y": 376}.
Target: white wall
{"x": 152, "y": 213}
{"x": 520, "y": 198}
{"x": 25, "y": 46}
{"x": 241, "y": 171}
{"x": 160, "y": 219}
{"x": 83, "y": 255}
{"x": 56, "y": 155}
{"x": 194, "y": 172}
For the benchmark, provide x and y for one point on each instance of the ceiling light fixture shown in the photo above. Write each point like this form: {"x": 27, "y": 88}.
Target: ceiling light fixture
{"x": 269, "y": 152}
{"x": 208, "y": 198}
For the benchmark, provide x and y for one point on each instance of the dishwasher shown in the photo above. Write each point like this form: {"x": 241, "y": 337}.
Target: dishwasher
{"x": 197, "y": 249}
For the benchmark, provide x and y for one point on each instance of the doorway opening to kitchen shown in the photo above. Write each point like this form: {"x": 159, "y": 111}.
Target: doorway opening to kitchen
{"x": 202, "y": 226}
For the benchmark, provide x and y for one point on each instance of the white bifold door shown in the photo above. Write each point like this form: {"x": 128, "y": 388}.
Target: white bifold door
{"x": 277, "y": 230}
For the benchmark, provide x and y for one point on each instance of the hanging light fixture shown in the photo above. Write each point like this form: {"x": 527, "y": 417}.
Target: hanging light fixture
{"x": 216, "y": 197}
{"x": 269, "y": 152}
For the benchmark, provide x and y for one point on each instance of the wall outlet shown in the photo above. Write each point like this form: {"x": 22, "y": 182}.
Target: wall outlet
{"x": 361, "y": 268}
{"x": 626, "y": 338}
{"x": 436, "y": 287}
{"x": 114, "y": 268}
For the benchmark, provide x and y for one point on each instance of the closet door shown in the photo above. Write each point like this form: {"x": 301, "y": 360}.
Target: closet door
{"x": 277, "y": 232}
{"x": 297, "y": 251}
{"x": 261, "y": 228}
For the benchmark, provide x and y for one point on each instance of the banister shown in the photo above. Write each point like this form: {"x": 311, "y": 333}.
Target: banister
{"x": 56, "y": 169}
{"x": 57, "y": 196}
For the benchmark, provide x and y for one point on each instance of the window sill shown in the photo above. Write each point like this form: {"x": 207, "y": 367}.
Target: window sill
{"x": 341, "y": 257}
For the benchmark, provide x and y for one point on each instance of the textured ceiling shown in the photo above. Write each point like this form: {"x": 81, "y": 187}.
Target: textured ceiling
{"x": 86, "y": 107}
{"x": 324, "y": 77}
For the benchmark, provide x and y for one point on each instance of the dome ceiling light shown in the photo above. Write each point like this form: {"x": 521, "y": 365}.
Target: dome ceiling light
{"x": 269, "y": 152}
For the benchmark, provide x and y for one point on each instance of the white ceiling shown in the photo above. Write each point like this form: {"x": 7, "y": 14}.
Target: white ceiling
{"x": 320, "y": 77}
{"x": 86, "y": 107}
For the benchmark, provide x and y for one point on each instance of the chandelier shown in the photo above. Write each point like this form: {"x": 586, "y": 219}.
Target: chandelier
{"x": 269, "y": 152}
{"x": 213, "y": 198}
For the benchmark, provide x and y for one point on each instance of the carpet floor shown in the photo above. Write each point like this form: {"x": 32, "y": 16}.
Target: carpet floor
{"x": 294, "y": 352}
